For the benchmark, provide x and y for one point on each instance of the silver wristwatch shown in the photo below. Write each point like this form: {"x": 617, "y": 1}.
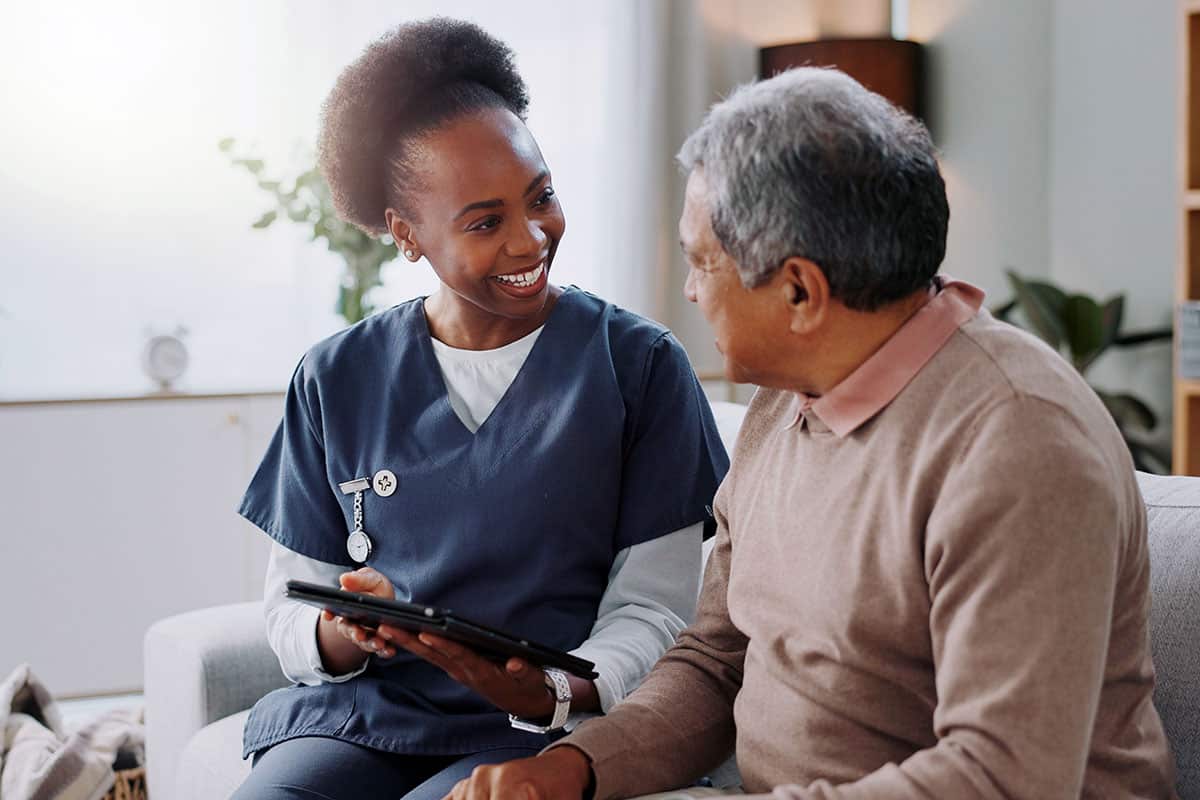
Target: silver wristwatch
{"x": 556, "y": 682}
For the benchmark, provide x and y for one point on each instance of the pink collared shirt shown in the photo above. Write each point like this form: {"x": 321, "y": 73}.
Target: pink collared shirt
{"x": 868, "y": 389}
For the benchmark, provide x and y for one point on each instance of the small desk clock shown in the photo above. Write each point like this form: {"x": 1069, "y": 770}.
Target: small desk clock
{"x": 165, "y": 357}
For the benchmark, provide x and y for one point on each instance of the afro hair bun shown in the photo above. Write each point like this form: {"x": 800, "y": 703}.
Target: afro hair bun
{"x": 413, "y": 78}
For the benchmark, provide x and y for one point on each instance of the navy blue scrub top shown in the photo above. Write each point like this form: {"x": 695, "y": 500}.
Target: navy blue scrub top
{"x": 603, "y": 440}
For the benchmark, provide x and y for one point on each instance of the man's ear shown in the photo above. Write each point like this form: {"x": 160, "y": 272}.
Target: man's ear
{"x": 806, "y": 291}
{"x": 402, "y": 234}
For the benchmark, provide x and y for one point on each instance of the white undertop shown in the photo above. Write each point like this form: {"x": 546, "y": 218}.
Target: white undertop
{"x": 477, "y": 379}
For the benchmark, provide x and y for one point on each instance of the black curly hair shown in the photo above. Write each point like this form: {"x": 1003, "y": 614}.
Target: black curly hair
{"x": 413, "y": 79}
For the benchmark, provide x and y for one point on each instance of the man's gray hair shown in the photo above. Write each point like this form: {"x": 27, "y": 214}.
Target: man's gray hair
{"x": 811, "y": 164}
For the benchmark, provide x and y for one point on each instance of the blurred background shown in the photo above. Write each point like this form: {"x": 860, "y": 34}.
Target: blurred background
{"x": 147, "y": 329}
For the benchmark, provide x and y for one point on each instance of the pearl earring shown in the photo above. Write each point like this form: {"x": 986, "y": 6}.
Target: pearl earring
{"x": 409, "y": 253}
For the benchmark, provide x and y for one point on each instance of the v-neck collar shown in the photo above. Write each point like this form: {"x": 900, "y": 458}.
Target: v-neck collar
{"x": 448, "y": 420}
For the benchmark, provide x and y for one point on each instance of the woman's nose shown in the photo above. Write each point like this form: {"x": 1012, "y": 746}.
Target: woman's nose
{"x": 528, "y": 238}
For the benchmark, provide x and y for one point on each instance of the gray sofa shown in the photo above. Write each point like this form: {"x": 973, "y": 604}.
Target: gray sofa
{"x": 204, "y": 669}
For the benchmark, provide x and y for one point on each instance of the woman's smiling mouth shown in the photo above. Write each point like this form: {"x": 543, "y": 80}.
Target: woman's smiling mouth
{"x": 524, "y": 283}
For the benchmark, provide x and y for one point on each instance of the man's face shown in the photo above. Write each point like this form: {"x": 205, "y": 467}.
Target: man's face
{"x": 745, "y": 322}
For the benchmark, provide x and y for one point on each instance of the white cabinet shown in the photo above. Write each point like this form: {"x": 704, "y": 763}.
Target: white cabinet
{"x": 114, "y": 514}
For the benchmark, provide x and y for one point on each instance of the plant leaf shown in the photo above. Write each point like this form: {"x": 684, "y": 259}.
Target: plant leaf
{"x": 1149, "y": 455}
{"x": 1002, "y": 312}
{"x": 266, "y": 219}
{"x": 1111, "y": 314}
{"x": 1042, "y": 305}
{"x": 299, "y": 213}
{"x": 1128, "y": 411}
{"x": 1144, "y": 337}
{"x": 1083, "y": 323}
{"x": 226, "y": 144}
{"x": 253, "y": 165}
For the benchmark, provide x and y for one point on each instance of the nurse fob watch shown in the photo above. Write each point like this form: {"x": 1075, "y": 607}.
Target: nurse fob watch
{"x": 358, "y": 544}
{"x": 560, "y": 687}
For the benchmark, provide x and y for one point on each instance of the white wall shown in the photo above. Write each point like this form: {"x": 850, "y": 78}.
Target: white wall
{"x": 1114, "y": 134}
{"x": 988, "y": 87}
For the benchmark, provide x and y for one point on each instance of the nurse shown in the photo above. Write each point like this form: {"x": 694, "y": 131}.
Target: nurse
{"x": 530, "y": 456}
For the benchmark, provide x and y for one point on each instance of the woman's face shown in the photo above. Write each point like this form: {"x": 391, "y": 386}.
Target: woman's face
{"x": 485, "y": 214}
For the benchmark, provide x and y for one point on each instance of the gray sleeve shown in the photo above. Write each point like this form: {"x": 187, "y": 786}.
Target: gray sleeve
{"x": 292, "y": 626}
{"x": 651, "y": 597}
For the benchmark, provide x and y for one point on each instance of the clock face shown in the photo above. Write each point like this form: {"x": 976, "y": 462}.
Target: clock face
{"x": 165, "y": 358}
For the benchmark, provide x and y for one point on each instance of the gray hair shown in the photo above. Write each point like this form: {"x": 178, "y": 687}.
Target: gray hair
{"x": 812, "y": 164}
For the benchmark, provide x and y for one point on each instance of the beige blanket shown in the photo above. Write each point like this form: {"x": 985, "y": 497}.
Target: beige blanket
{"x": 40, "y": 759}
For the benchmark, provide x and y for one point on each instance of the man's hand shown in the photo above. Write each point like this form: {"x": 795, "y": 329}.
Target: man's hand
{"x": 515, "y": 686}
{"x": 560, "y": 774}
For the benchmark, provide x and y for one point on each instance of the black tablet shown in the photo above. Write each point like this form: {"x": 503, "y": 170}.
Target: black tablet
{"x": 370, "y": 611}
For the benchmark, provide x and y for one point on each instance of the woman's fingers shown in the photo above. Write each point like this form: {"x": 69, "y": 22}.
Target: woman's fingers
{"x": 350, "y": 631}
{"x": 364, "y": 638}
{"x": 390, "y": 632}
{"x": 529, "y": 679}
{"x": 445, "y": 646}
{"x": 419, "y": 648}
{"x": 367, "y": 581}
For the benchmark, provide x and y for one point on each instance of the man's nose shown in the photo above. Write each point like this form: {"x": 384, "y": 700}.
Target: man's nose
{"x": 689, "y": 285}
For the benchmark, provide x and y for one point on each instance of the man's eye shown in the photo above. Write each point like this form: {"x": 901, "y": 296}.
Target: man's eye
{"x": 545, "y": 197}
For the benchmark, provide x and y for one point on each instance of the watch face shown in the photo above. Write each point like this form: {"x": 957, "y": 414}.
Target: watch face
{"x": 359, "y": 546}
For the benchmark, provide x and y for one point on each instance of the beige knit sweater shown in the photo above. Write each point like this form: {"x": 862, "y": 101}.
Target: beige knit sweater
{"x": 948, "y": 601}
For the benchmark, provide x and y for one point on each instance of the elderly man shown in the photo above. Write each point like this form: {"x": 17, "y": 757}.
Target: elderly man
{"x": 930, "y": 577}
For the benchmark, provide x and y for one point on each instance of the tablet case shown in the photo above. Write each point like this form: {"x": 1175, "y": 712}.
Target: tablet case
{"x": 370, "y": 611}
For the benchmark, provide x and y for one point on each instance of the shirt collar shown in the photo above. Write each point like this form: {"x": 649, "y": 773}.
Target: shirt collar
{"x": 877, "y": 381}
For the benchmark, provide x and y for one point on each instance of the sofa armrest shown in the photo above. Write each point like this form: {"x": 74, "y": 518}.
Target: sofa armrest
{"x": 200, "y": 667}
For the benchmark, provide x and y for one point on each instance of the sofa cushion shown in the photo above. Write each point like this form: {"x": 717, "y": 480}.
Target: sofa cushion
{"x": 1173, "y": 513}
{"x": 211, "y": 764}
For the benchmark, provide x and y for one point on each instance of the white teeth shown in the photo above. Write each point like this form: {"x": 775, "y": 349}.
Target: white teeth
{"x": 525, "y": 278}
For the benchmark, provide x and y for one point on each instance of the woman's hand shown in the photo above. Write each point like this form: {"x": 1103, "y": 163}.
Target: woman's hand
{"x": 515, "y": 686}
{"x": 559, "y": 774}
{"x": 344, "y": 645}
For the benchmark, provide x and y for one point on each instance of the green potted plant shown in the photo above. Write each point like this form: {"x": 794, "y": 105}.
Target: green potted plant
{"x": 305, "y": 200}
{"x": 1082, "y": 329}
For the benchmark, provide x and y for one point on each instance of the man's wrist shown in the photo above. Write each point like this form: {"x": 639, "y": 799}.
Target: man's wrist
{"x": 576, "y": 763}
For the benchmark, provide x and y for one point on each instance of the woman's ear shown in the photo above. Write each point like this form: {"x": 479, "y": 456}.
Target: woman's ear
{"x": 402, "y": 234}
{"x": 806, "y": 292}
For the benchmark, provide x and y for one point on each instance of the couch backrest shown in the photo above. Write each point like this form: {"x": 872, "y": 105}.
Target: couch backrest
{"x": 1173, "y": 511}
{"x": 728, "y": 417}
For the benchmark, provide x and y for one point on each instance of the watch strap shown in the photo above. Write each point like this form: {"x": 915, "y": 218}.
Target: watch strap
{"x": 557, "y": 683}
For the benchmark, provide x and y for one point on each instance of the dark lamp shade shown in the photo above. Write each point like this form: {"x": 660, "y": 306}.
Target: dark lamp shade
{"x": 890, "y": 67}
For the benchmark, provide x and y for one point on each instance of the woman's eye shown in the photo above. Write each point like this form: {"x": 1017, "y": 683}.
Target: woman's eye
{"x": 545, "y": 197}
{"x": 485, "y": 224}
